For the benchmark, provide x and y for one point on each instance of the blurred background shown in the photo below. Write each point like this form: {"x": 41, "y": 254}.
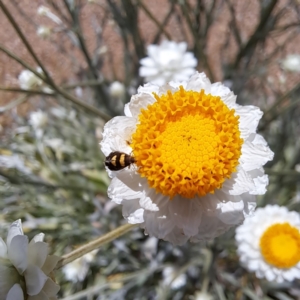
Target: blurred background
{"x": 87, "y": 53}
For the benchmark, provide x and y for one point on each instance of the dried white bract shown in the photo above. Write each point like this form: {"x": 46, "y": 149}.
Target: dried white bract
{"x": 25, "y": 267}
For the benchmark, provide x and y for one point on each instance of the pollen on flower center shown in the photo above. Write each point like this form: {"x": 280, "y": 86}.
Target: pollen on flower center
{"x": 187, "y": 143}
{"x": 280, "y": 245}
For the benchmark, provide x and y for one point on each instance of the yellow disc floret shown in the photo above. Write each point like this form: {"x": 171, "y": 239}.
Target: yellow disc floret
{"x": 187, "y": 143}
{"x": 280, "y": 245}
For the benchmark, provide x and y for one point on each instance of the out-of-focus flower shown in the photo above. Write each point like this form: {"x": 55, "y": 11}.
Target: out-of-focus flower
{"x": 77, "y": 270}
{"x": 117, "y": 90}
{"x": 28, "y": 80}
{"x": 102, "y": 50}
{"x": 150, "y": 247}
{"x": 202, "y": 296}
{"x": 25, "y": 267}
{"x": 38, "y": 119}
{"x": 291, "y": 63}
{"x": 59, "y": 147}
{"x": 44, "y": 32}
{"x": 269, "y": 243}
{"x": 198, "y": 160}
{"x": 172, "y": 279}
{"x": 14, "y": 162}
{"x": 166, "y": 62}
{"x": 62, "y": 113}
{"x": 117, "y": 93}
{"x": 45, "y": 11}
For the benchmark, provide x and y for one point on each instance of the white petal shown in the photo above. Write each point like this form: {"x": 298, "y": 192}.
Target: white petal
{"x": 148, "y": 71}
{"x": 249, "y": 118}
{"x": 175, "y": 84}
{"x": 189, "y": 61}
{"x": 159, "y": 223}
{"x": 290, "y": 275}
{"x": 210, "y": 227}
{"x": 259, "y": 140}
{"x": 260, "y": 185}
{"x": 40, "y": 296}
{"x": 148, "y": 88}
{"x": 152, "y": 50}
{"x": 132, "y": 211}
{"x": 186, "y": 214}
{"x": 183, "y": 74}
{"x": 35, "y": 279}
{"x": 249, "y": 204}
{"x": 50, "y": 263}
{"x": 118, "y": 190}
{"x": 231, "y": 212}
{"x": 147, "y": 203}
{"x": 50, "y": 288}
{"x": 136, "y": 217}
{"x": 3, "y": 248}
{"x": 14, "y": 230}
{"x": 254, "y": 155}
{"x": 18, "y": 251}
{"x": 38, "y": 238}
{"x": 182, "y": 47}
{"x": 176, "y": 237}
{"x": 199, "y": 82}
{"x": 165, "y": 88}
{"x": 15, "y": 293}
{"x": 132, "y": 179}
{"x": 117, "y": 132}
{"x": 147, "y": 62}
{"x": 8, "y": 277}
{"x": 227, "y": 96}
{"x": 253, "y": 265}
{"x": 240, "y": 182}
{"x": 37, "y": 253}
{"x": 138, "y": 102}
{"x": 270, "y": 276}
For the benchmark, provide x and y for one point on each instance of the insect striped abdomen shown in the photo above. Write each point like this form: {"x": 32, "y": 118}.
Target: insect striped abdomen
{"x": 116, "y": 160}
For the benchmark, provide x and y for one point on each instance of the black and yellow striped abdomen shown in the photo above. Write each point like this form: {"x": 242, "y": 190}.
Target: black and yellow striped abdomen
{"x": 116, "y": 160}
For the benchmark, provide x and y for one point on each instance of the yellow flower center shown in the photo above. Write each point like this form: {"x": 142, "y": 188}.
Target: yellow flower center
{"x": 280, "y": 245}
{"x": 187, "y": 143}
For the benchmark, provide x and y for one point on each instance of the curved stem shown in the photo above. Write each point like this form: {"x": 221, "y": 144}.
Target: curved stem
{"x": 84, "y": 249}
{"x": 25, "y": 41}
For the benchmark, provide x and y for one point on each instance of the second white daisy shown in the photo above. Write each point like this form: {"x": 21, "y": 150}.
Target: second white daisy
{"x": 167, "y": 61}
{"x": 269, "y": 243}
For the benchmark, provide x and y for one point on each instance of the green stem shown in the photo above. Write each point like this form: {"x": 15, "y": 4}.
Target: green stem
{"x": 84, "y": 249}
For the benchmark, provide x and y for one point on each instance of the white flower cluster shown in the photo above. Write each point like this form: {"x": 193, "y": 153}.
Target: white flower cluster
{"x": 26, "y": 267}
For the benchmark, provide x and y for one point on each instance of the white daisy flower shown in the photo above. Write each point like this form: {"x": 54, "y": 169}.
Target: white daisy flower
{"x": 197, "y": 155}
{"x": 166, "y": 62}
{"x": 269, "y": 243}
{"x": 291, "y": 63}
{"x": 25, "y": 267}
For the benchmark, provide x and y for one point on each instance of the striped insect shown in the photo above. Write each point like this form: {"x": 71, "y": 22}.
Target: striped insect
{"x": 117, "y": 160}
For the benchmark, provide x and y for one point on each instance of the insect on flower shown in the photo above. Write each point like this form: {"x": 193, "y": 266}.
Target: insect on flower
{"x": 116, "y": 160}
